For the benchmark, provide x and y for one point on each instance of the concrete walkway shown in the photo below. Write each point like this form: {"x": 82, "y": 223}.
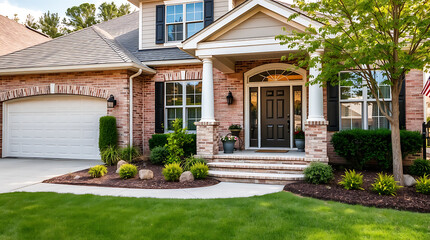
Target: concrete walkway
{"x": 26, "y": 175}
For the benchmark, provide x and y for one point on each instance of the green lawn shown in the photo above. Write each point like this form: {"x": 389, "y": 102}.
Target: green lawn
{"x": 275, "y": 216}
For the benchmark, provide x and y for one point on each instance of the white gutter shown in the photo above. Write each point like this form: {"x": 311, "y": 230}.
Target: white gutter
{"x": 131, "y": 105}
{"x": 76, "y": 68}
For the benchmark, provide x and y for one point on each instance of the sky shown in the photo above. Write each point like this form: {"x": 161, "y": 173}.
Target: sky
{"x": 38, "y": 7}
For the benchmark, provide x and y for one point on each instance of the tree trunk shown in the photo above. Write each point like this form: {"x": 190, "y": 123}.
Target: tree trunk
{"x": 395, "y": 140}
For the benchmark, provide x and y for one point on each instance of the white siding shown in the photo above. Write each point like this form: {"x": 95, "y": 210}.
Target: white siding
{"x": 148, "y": 23}
{"x": 257, "y": 26}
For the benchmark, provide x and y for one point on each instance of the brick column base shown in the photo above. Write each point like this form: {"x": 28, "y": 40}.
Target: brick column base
{"x": 207, "y": 138}
{"x": 316, "y": 141}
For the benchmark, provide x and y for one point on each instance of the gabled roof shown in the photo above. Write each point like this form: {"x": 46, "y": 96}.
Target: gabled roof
{"x": 15, "y": 36}
{"x": 90, "y": 48}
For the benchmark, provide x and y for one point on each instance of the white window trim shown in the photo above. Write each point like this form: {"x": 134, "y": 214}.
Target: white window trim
{"x": 184, "y": 20}
{"x": 364, "y": 103}
{"x": 184, "y": 105}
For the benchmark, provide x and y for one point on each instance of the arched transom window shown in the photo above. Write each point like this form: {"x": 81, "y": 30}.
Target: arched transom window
{"x": 275, "y": 76}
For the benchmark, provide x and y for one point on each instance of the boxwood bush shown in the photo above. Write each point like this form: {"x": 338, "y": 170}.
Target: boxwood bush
{"x": 158, "y": 155}
{"x": 199, "y": 170}
{"x": 172, "y": 172}
{"x": 358, "y": 146}
{"x": 127, "y": 171}
{"x": 318, "y": 173}
{"x": 160, "y": 140}
{"x": 420, "y": 167}
{"x": 108, "y": 135}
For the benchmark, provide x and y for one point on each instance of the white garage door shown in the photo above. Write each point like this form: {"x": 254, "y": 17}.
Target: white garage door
{"x": 53, "y": 127}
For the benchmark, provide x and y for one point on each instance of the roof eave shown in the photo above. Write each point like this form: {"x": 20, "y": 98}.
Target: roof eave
{"x": 76, "y": 68}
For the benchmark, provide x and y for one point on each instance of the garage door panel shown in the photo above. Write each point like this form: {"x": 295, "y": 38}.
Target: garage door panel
{"x": 53, "y": 126}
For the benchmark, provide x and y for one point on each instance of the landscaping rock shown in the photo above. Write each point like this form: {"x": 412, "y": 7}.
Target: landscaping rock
{"x": 409, "y": 180}
{"x": 77, "y": 177}
{"x": 146, "y": 174}
{"x": 186, "y": 177}
{"x": 119, "y": 164}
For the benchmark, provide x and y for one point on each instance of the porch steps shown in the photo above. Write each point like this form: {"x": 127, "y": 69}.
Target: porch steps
{"x": 253, "y": 177}
{"x": 257, "y": 167}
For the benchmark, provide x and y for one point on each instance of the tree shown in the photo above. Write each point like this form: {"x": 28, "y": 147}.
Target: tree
{"x": 110, "y": 11}
{"x": 49, "y": 23}
{"x": 31, "y": 22}
{"x": 81, "y": 16}
{"x": 364, "y": 35}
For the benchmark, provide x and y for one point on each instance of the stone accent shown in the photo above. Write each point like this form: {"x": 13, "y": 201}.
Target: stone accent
{"x": 207, "y": 138}
{"x": 186, "y": 177}
{"x": 119, "y": 164}
{"x": 316, "y": 141}
{"x": 409, "y": 180}
{"x": 146, "y": 174}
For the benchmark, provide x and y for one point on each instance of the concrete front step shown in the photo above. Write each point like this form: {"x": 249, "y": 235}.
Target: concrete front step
{"x": 257, "y": 167}
{"x": 253, "y": 177}
{"x": 257, "y": 159}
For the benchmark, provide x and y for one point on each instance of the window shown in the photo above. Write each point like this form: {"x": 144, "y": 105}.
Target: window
{"x": 183, "y": 100}
{"x": 358, "y": 107}
{"x": 181, "y": 26}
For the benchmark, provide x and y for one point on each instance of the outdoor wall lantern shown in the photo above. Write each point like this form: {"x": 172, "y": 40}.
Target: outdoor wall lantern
{"x": 111, "y": 102}
{"x": 229, "y": 98}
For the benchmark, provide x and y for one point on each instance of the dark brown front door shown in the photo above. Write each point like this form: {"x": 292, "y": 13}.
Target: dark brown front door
{"x": 275, "y": 117}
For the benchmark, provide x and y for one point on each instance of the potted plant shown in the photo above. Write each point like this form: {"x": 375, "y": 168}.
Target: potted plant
{"x": 228, "y": 142}
{"x": 299, "y": 140}
{"x": 235, "y": 129}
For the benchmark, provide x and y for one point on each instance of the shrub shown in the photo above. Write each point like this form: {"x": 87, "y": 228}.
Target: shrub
{"x": 420, "y": 167}
{"x": 352, "y": 180}
{"x": 360, "y": 146}
{"x": 318, "y": 173}
{"x": 110, "y": 155}
{"x": 97, "y": 171}
{"x": 172, "y": 172}
{"x": 127, "y": 171}
{"x": 129, "y": 153}
{"x": 385, "y": 185}
{"x": 190, "y": 161}
{"x": 108, "y": 135}
{"x": 158, "y": 155}
{"x": 160, "y": 140}
{"x": 423, "y": 185}
{"x": 199, "y": 170}
{"x": 176, "y": 141}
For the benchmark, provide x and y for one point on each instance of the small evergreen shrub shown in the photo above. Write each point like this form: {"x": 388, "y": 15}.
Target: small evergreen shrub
{"x": 190, "y": 161}
{"x": 423, "y": 184}
{"x": 108, "y": 135}
{"x": 127, "y": 171}
{"x": 318, "y": 173}
{"x": 385, "y": 185}
{"x": 420, "y": 167}
{"x": 160, "y": 140}
{"x": 352, "y": 180}
{"x": 97, "y": 171}
{"x": 158, "y": 155}
{"x": 359, "y": 146}
{"x": 110, "y": 155}
{"x": 199, "y": 170}
{"x": 176, "y": 141}
{"x": 172, "y": 172}
{"x": 129, "y": 153}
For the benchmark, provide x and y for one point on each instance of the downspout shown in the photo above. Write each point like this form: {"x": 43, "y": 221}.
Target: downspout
{"x": 131, "y": 105}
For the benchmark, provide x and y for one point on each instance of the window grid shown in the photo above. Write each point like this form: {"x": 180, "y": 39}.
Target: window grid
{"x": 365, "y": 99}
{"x": 182, "y": 24}
{"x": 189, "y": 113}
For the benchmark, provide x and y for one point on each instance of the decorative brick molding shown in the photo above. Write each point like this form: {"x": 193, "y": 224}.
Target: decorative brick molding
{"x": 58, "y": 89}
{"x": 207, "y": 138}
{"x": 316, "y": 141}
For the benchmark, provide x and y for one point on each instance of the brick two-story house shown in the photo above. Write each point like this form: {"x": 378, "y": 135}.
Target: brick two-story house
{"x": 180, "y": 59}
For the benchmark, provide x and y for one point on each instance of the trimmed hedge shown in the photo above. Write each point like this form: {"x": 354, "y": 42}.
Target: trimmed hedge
{"x": 359, "y": 146}
{"x": 108, "y": 133}
{"x": 160, "y": 140}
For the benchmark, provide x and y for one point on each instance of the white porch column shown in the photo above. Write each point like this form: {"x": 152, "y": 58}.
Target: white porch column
{"x": 316, "y": 109}
{"x": 208, "y": 112}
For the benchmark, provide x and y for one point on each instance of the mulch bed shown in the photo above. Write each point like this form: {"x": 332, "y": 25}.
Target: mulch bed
{"x": 112, "y": 179}
{"x": 407, "y": 198}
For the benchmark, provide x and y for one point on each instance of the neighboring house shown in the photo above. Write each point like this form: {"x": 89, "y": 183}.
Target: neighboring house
{"x": 180, "y": 59}
{"x": 15, "y": 36}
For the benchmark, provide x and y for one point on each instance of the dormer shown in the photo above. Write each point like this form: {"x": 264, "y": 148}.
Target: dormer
{"x": 165, "y": 24}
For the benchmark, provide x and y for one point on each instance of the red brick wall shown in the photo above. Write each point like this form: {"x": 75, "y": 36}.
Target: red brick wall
{"x": 115, "y": 82}
{"x": 414, "y": 100}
